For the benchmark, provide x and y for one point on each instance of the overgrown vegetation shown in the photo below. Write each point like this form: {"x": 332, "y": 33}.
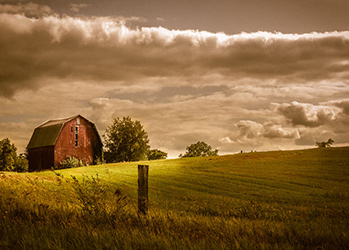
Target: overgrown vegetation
{"x": 270, "y": 200}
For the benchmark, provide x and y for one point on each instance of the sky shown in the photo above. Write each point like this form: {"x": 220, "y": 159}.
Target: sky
{"x": 238, "y": 74}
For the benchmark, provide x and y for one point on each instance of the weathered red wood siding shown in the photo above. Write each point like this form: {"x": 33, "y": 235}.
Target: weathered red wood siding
{"x": 41, "y": 158}
{"x": 65, "y": 144}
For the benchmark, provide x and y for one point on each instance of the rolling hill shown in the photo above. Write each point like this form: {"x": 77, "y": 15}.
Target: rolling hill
{"x": 260, "y": 200}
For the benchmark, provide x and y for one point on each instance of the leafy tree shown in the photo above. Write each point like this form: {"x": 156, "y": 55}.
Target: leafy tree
{"x": 8, "y": 155}
{"x": 126, "y": 140}
{"x": 156, "y": 154}
{"x": 21, "y": 163}
{"x": 325, "y": 144}
{"x": 9, "y": 161}
{"x": 199, "y": 149}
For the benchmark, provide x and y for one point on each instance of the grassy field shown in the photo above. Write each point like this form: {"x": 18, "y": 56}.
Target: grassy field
{"x": 264, "y": 200}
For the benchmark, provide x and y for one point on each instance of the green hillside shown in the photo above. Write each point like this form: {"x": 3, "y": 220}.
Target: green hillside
{"x": 260, "y": 200}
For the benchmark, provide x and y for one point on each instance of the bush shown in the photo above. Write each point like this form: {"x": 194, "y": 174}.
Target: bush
{"x": 71, "y": 162}
{"x": 96, "y": 200}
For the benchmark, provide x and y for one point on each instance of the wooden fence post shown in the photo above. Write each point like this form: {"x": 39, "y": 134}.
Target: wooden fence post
{"x": 143, "y": 188}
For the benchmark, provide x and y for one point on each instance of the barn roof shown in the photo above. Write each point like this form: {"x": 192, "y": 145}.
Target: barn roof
{"x": 47, "y": 133}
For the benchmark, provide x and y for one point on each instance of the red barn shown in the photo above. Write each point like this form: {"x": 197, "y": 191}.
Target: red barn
{"x": 55, "y": 140}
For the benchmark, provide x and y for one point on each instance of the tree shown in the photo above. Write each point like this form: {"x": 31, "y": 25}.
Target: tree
{"x": 9, "y": 161}
{"x": 21, "y": 163}
{"x": 125, "y": 140}
{"x": 8, "y": 155}
{"x": 325, "y": 144}
{"x": 199, "y": 149}
{"x": 156, "y": 154}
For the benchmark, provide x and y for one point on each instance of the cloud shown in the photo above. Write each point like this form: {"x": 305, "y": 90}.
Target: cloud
{"x": 183, "y": 85}
{"x": 272, "y": 131}
{"x": 251, "y": 130}
{"x": 76, "y": 7}
{"x": 104, "y": 49}
{"x": 307, "y": 114}
{"x": 343, "y": 104}
{"x": 28, "y": 9}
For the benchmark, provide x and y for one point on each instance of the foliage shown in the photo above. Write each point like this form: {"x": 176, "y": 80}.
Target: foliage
{"x": 93, "y": 196}
{"x": 126, "y": 140}
{"x": 156, "y": 154}
{"x": 71, "y": 162}
{"x": 199, "y": 149}
{"x": 265, "y": 200}
{"x": 9, "y": 161}
{"x": 21, "y": 163}
{"x": 98, "y": 157}
{"x": 323, "y": 144}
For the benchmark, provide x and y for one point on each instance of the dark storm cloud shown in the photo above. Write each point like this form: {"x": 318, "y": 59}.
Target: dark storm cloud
{"x": 104, "y": 49}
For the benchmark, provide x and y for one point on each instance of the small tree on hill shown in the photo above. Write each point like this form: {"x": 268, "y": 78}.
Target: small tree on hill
{"x": 126, "y": 140}
{"x": 156, "y": 154}
{"x": 323, "y": 144}
{"x": 199, "y": 149}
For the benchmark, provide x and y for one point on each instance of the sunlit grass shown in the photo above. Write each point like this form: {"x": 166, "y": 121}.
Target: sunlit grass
{"x": 270, "y": 200}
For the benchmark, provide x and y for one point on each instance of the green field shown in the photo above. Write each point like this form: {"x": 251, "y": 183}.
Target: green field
{"x": 260, "y": 200}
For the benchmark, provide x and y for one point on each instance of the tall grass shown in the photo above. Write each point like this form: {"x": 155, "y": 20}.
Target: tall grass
{"x": 272, "y": 200}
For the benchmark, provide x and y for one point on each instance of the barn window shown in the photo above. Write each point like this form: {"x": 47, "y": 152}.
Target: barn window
{"x": 76, "y": 136}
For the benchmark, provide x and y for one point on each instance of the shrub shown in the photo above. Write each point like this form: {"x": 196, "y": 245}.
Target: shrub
{"x": 96, "y": 200}
{"x": 71, "y": 162}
